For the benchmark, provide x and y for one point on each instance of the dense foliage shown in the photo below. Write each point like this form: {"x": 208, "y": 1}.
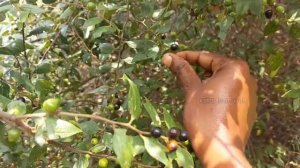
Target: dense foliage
{"x": 82, "y": 85}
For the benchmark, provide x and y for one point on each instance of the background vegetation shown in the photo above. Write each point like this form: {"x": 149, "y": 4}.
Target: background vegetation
{"x": 97, "y": 55}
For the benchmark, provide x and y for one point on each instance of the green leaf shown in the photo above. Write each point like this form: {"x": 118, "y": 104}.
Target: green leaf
{"x": 138, "y": 145}
{"x": 67, "y": 13}
{"x": 169, "y": 119}
{"x": 82, "y": 162}
{"x": 98, "y": 148}
{"x": 184, "y": 158}
{"x": 134, "y": 99}
{"x": 39, "y": 30}
{"x": 4, "y": 89}
{"x": 32, "y": 8}
{"x": 6, "y": 51}
{"x": 274, "y": 63}
{"x": 43, "y": 68}
{"x": 48, "y": 1}
{"x": 16, "y": 108}
{"x": 89, "y": 127}
{"x": 2, "y": 132}
{"x": 152, "y": 113}
{"x": 3, "y": 101}
{"x": 122, "y": 146}
{"x": 103, "y": 30}
{"x": 92, "y": 22}
{"x": 5, "y": 8}
{"x": 243, "y": 6}
{"x": 58, "y": 128}
{"x": 294, "y": 30}
{"x": 24, "y": 16}
{"x": 294, "y": 93}
{"x": 271, "y": 28}
{"x": 36, "y": 153}
{"x": 224, "y": 27}
{"x": 16, "y": 46}
{"x": 22, "y": 80}
{"x": 156, "y": 150}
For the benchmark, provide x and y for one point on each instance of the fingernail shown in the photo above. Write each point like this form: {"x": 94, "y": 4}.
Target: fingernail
{"x": 167, "y": 60}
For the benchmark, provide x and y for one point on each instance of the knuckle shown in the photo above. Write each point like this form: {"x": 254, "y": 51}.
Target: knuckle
{"x": 241, "y": 65}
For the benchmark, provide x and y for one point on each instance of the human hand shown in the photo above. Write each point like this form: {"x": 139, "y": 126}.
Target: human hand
{"x": 219, "y": 111}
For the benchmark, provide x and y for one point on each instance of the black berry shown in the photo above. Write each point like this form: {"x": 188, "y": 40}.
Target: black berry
{"x": 173, "y": 133}
{"x": 116, "y": 106}
{"x": 163, "y": 36}
{"x": 22, "y": 99}
{"x": 174, "y": 46}
{"x": 269, "y": 13}
{"x": 120, "y": 102}
{"x": 183, "y": 136}
{"x": 156, "y": 132}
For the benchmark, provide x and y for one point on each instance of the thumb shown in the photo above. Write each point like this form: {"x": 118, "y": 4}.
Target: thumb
{"x": 183, "y": 71}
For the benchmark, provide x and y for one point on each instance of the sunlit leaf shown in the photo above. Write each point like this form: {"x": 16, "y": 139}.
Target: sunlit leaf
{"x": 134, "y": 99}
{"x": 152, "y": 113}
{"x": 156, "y": 150}
{"x": 122, "y": 146}
{"x": 184, "y": 158}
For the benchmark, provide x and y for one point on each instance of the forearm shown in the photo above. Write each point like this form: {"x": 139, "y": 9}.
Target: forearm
{"x": 218, "y": 154}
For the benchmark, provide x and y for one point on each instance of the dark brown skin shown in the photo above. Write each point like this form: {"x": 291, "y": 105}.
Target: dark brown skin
{"x": 219, "y": 111}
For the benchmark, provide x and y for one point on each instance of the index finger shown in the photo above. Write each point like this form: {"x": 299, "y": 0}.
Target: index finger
{"x": 207, "y": 60}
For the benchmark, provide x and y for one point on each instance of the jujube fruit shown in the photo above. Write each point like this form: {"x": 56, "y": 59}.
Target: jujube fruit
{"x": 116, "y": 106}
{"x": 183, "y": 136}
{"x": 163, "y": 36}
{"x": 172, "y": 145}
{"x": 280, "y": 9}
{"x": 22, "y": 99}
{"x": 269, "y": 13}
{"x": 94, "y": 141}
{"x": 103, "y": 163}
{"x": 173, "y": 133}
{"x": 51, "y": 105}
{"x": 156, "y": 132}
{"x": 174, "y": 46}
{"x": 13, "y": 135}
{"x": 91, "y": 6}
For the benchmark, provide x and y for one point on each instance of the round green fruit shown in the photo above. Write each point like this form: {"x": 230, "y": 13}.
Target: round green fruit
{"x": 15, "y": 111}
{"x": 94, "y": 141}
{"x": 103, "y": 163}
{"x": 51, "y": 105}
{"x": 13, "y": 135}
{"x": 280, "y": 9}
{"x": 91, "y": 6}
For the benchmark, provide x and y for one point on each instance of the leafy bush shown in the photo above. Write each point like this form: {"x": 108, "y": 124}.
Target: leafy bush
{"x": 101, "y": 60}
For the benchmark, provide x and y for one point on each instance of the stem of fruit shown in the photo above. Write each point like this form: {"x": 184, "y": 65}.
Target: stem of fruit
{"x": 17, "y": 121}
{"x": 94, "y": 117}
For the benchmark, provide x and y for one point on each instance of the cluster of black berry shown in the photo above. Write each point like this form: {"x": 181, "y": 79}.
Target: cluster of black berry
{"x": 174, "y": 134}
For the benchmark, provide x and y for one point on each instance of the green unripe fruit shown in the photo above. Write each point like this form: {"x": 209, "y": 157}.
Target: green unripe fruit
{"x": 91, "y": 6}
{"x": 280, "y": 9}
{"x": 110, "y": 107}
{"x": 15, "y": 111}
{"x": 94, "y": 141}
{"x": 51, "y": 105}
{"x": 173, "y": 34}
{"x": 103, "y": 163}
{"x": 13, "y": 135}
